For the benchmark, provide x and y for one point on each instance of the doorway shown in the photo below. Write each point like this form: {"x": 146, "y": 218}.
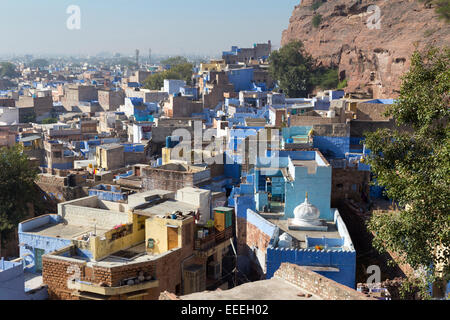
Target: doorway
{"x": 172, "y": 238}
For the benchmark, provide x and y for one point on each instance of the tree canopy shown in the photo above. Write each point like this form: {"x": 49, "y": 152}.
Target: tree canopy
{"x": 17, "y": 189}
{"x": 174, "y": 61}
{"x": 39, "y": 63}
{"x": 297, "y": 72}
{"x": 8, "y": 69}
{"x": 49, "y": 120}
{"x": 414, "y": 167}
{"x": 181, "y": 71}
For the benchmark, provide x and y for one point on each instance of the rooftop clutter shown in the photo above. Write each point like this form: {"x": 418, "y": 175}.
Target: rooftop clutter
{"x": 118, "y": 162}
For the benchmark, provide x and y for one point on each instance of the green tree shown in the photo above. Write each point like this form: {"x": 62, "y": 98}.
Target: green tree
{"x": 178, "y": 72}
{"x": 17, "y": 189}
{"x": 174, "y": 61}
{"x": 39, "y": 63}
{"x": 49, "y": 120}
{"x": 291, "y": 66}
{"x": 8, "y": 69}
{"x": 297, "y": 73}
{"x": 414, "y": 167}
{"x": 326, "y": 78}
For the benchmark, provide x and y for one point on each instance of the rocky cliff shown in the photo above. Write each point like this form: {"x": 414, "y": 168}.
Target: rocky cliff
{"x": 370, "y": 41}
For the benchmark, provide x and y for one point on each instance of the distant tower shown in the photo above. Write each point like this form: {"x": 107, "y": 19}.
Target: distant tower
{"x": 137, "y": 58}
{"x": 149, "y": 57}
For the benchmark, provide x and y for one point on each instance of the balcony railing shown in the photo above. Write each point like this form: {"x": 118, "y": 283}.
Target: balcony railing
{"x": 213, "y": 239}
{"x": 111, "y": 291}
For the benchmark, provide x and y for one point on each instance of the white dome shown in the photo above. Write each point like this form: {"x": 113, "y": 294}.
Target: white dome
{"x": 306, "y": 212}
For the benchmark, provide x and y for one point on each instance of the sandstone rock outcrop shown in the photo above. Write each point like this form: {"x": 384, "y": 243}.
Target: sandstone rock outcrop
{"x": 371, "y": 59}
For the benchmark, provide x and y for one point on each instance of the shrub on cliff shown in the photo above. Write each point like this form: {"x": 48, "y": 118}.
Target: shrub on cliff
{"x": 317, "y": 19}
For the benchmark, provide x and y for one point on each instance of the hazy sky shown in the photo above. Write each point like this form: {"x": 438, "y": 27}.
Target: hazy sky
{"x": 166, "y": 26}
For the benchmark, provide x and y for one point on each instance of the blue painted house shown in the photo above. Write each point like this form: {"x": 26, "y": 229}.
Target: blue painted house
{"x": 13, "y": 283}
{"x": 269, "y": 201}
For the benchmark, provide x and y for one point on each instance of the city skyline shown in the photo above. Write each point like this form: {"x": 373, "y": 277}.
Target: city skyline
{"x": 172, "y": 27}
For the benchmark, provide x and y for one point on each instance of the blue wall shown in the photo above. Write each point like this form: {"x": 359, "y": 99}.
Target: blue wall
{"x": 242, "y": 79}
{"x": 108, "y": 193}
{"x": 12, "y": 283}
{"x": 332, "y": 147}
{"x": 242, "y": 203}
{"x": 318, "y": 187}
{"x": 344, "y": 260}
{"x": 33, "y": 241}
{"x": 62, "y": 166}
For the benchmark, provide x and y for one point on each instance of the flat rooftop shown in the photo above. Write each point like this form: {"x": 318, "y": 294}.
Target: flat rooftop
{"x": 166, "y": 207}
{"x": 272, "y": 289}
{"x": 63, "y": 231}
{"x": 300, "y": 235}
{"x": 311, "y": 165}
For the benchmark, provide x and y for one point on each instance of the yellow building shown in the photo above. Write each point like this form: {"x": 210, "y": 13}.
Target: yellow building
{"x": 213, "y": 65}
{"x": 164, "y": 234}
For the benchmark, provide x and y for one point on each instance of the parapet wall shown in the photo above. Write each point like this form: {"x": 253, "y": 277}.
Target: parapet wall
{"x": 316, "y": 284}
{"x": 342, "y": 260}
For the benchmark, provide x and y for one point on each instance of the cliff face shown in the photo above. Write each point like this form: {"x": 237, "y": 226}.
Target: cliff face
{"x": 372, "y": 60}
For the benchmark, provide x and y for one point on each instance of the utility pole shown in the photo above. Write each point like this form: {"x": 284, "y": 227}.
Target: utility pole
{"x": 149, "y": 57}
{"x": 137, "y": 58}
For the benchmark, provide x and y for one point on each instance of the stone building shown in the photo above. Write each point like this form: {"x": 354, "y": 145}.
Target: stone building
{"x": 174, "y": 176}
{"x": 110, "y": 156}
{"x": 110, "y": 100}
{"x": 74, "y": 94}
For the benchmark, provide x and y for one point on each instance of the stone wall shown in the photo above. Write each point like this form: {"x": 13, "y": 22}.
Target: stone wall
{"x": 131, "y": 158}
{"x": 316, "y": 284}
{"x": 311, "y": 120}
{"x": 371, "y": 111}
{"x": 349, "y": 183}
{"x": 173, "y": 180}
{"x": 57, "y": 188}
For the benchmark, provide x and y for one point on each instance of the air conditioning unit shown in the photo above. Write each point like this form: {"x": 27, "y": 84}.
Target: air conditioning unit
{"x": 214, "y": 270}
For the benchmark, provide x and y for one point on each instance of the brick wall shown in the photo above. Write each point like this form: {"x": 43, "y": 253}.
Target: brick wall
{"x": 55, "y": 273}
{"x": 316, "y": 284}
{"x": 57, "y": 188}
{"x": 166, "y": 180}
{"x": 167, "y": 270}
{"x": 257, "y": 238}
